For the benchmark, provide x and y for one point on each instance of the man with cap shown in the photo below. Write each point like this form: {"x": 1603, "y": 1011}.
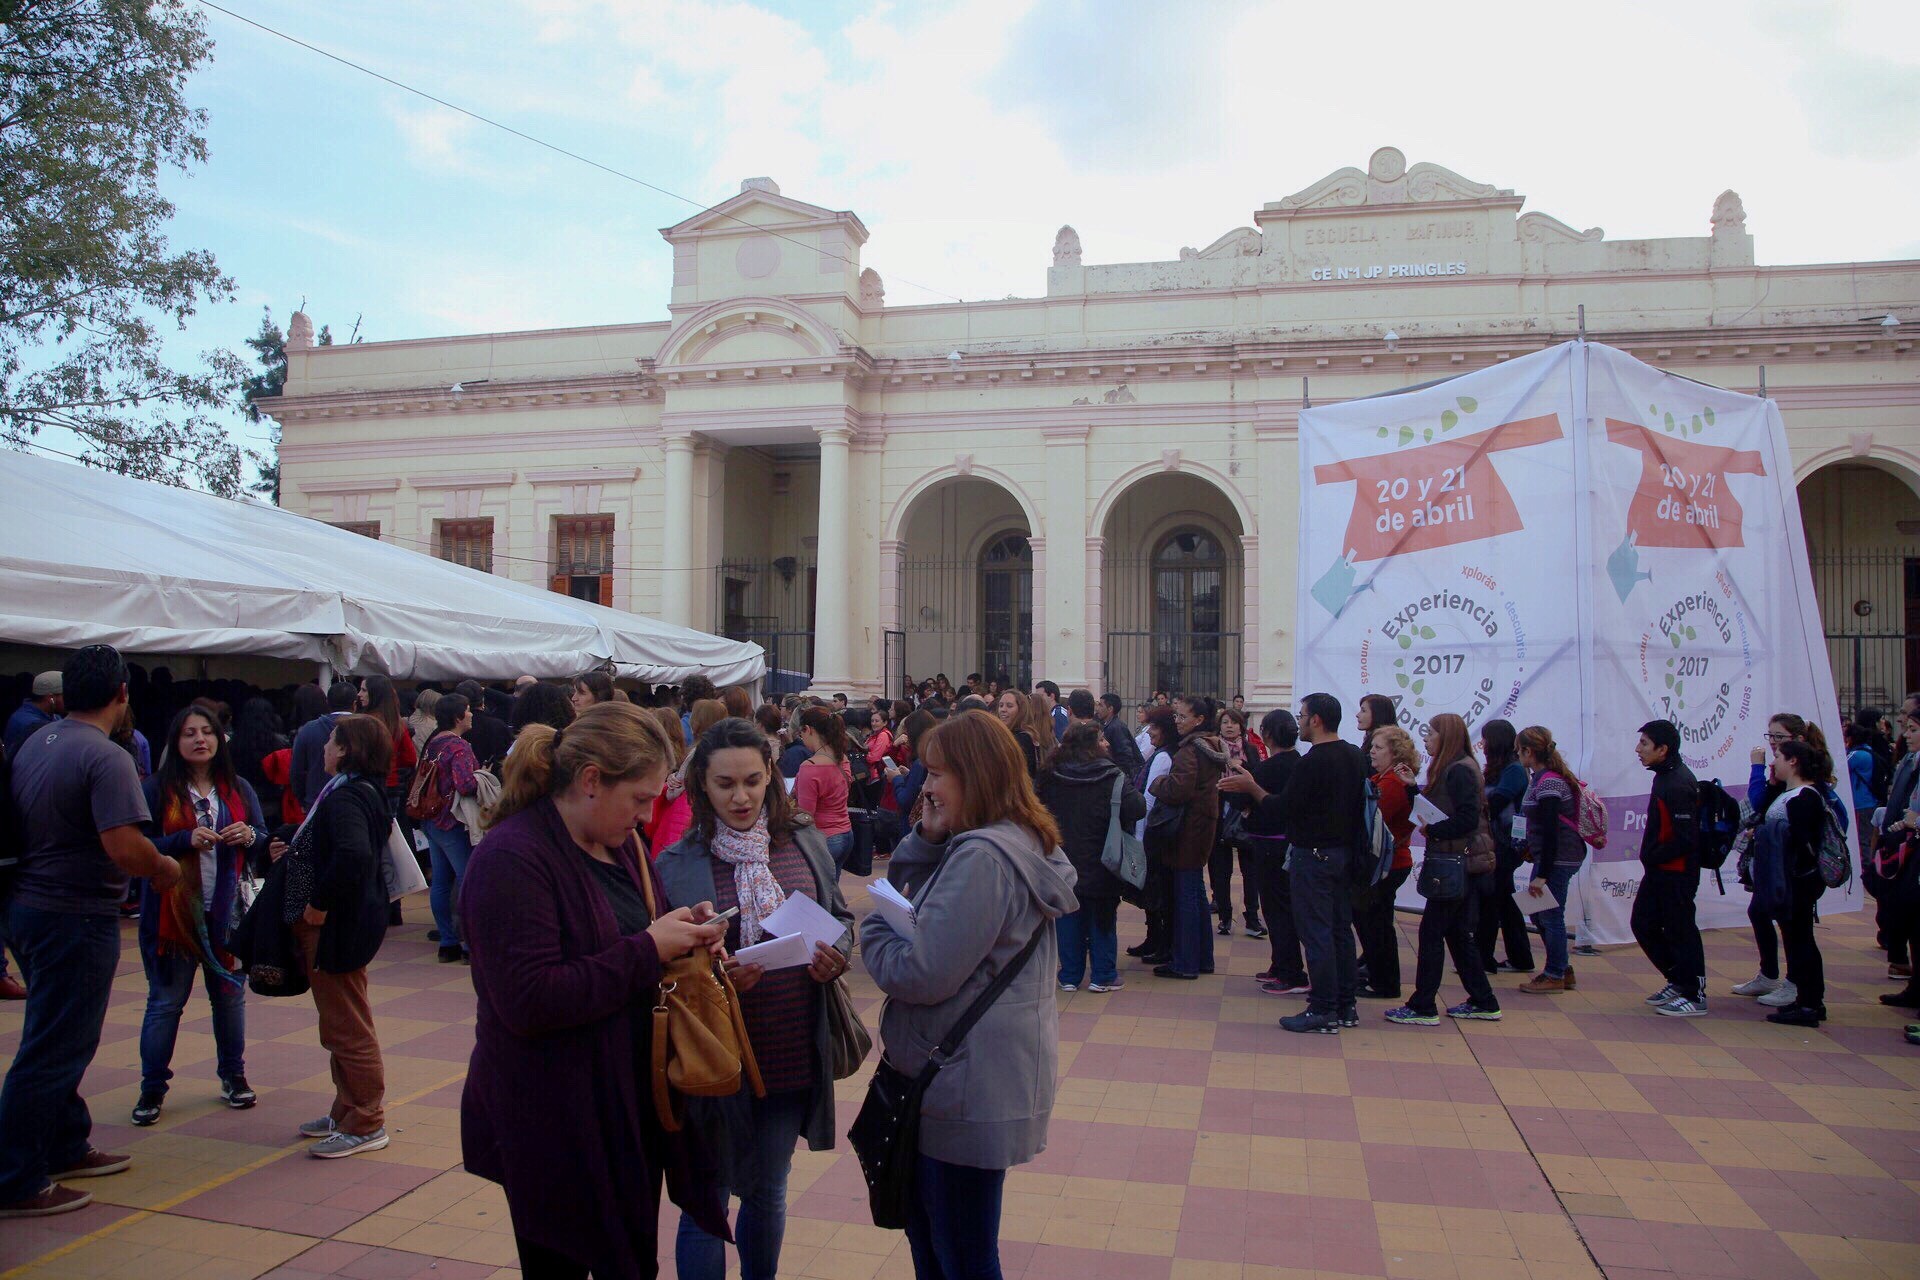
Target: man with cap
{"x": 40, "y": 708}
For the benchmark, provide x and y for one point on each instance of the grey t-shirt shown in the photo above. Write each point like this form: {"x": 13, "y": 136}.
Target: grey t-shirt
{"x": 72, "y": 782}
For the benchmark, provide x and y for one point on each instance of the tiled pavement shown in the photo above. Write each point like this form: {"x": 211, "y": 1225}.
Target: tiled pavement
{"x": 1193, "y": 1140}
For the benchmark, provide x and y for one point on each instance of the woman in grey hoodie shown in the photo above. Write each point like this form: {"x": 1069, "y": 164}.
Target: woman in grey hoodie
{"x": 985, "y": 873}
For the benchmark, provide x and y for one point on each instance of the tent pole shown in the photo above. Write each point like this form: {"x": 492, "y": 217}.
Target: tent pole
{"x": 326, "y": 675}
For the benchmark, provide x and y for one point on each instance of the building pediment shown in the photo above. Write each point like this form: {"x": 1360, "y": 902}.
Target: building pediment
{"x": 760, "y": 207}
{"x": 1388, "y": 180}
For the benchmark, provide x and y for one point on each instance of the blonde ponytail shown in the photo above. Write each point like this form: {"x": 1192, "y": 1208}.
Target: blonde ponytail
{"x": 622, "y": 740}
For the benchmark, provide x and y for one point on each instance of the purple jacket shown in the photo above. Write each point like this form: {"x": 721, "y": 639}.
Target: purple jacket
{"x": 556, "y": 1107}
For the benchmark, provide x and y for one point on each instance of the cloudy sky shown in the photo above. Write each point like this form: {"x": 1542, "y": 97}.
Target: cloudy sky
{"x": 965, "y": 132}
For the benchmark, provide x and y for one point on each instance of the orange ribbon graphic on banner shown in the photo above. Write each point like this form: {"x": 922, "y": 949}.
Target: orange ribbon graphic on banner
{"x": 1683, "y": 499}
{"x": 1437, "y": 495}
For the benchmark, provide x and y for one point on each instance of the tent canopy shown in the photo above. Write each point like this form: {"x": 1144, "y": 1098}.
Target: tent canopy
{"x": 94, "y": 558}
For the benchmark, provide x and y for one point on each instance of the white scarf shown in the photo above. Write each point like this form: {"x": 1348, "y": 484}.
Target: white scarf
{"x": 754, "y": 887}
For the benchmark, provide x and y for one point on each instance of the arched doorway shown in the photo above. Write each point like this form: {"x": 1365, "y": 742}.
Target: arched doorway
{"x": 966, "y": 572}
{"x": 1172, "y": 589}
{"x": 1862, "y": 521}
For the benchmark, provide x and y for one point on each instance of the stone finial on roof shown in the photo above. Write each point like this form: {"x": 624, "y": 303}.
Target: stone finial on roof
{"x": 1066, "y": 248}
{"x": 767, "y": 185}
{"x": 299, "y": 332}
{"x": 1729, "y": 214}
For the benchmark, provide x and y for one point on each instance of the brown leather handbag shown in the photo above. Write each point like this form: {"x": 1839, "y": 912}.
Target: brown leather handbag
{"x": 700, "y": 1045}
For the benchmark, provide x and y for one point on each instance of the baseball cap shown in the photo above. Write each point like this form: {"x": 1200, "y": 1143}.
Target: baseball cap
{"x": 47, "y": 684}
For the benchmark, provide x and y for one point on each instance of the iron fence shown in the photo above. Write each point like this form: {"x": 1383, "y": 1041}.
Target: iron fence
{"x": 1870, "y": 610}
{"x": 1139, "y": 663}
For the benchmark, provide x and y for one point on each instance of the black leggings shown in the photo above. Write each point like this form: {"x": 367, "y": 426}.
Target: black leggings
{"x": 1803, "y": 953}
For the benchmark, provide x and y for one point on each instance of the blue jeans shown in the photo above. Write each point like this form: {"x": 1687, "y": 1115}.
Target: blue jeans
{"x": 955, "y": 1228}
{"x": 1553, "y": 922}
{"x": 67, "y": 961}
{"x": 449, "y": 851}
{"x": 169, "y": 982}
{"x": 762, "y": 1170}
{"x": 1192, "y": 923}
{"x": 840, "y": 846}
{"x": 1094, "y": 931}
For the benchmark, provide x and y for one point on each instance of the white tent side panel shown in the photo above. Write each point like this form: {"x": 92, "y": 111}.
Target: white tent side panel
{"x": 94, "y": 558}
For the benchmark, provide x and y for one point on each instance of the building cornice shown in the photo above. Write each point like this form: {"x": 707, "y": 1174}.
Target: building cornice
{"x": 463, "y": 480}
{"x": 318, "y": 487}
{"x": 1414, "y": 355}
{"x": 583, "y": 475}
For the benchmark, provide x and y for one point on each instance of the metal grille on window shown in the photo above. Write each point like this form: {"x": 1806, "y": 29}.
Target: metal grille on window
{"x": 468, "y": 542}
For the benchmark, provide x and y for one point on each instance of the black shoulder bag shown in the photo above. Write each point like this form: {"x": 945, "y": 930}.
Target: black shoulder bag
{"x": 886, "y": 1133}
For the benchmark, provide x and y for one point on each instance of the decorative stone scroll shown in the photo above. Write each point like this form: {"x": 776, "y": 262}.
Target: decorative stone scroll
{"x": 1389, "y": 180}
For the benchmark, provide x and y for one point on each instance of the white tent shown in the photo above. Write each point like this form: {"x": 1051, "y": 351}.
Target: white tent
{"x": 93, "y": 558}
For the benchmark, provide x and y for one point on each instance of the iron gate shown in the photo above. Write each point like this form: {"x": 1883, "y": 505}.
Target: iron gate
{"x": 1870, "y": 608}
{"x": 1142, "y": 662}
{"x": 893, "y": 664}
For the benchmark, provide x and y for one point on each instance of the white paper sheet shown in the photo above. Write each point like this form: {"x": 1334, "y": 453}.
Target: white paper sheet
{"x": 1529, "y": 905}
{"x": 895, "y": 909}
{"x": 778, "y": 953}
{"x": 802, "y": 915}
{"x": 1426, "y": 811}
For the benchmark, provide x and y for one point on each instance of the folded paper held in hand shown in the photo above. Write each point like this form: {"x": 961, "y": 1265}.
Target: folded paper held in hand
{"x": 1427, "y": 812}
{"x": 1530, "y": 905}
{"x": 778, "y": 953}
{"x": 793, "y": 929}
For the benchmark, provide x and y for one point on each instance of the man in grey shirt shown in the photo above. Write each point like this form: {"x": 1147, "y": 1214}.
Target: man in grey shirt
{"x": 81, "y": 808}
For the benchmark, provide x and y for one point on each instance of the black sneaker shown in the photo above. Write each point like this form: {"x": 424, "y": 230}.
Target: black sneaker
{"x": 433, "y": 935}
{"x": 1350, "y": 1016}
{"x": 1225, "y": 929}
{"x": 1311, "y": 1023}
{"x": 147, "y": 1110}
{"x": 1143, "y": 949}
{"x": 451, "y": 955}
{"x": 1256, "y": 931}
{"x": 238, "y": 1093}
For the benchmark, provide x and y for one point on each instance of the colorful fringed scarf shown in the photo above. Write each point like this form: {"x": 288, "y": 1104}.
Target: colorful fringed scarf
{"x": 187, "y": 925}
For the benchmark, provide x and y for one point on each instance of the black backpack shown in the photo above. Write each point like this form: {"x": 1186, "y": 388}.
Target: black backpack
{"x": 13, "y": 831}
{"x": 1719, "y": 823}
{"x": 1882, "y": 777}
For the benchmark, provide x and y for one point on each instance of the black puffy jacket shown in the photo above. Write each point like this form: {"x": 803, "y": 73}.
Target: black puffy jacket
{"x": 1079, "y": 794}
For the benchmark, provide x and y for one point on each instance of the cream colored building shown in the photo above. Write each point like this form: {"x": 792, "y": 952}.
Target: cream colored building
{"x": 1098, "y": 486}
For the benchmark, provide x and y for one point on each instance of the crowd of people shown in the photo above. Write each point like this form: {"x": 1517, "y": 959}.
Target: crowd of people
{"x": 590, "y": 849}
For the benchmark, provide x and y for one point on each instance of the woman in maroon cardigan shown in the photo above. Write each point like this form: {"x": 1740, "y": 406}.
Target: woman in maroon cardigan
{"x": 566, "y": 967}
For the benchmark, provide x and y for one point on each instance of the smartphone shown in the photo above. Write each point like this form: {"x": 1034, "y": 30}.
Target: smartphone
{"x": 728, "y": 914}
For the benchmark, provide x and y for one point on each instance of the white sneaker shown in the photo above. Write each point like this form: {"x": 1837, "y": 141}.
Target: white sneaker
{"x": 1785, "y": 996}
{"x": 1759, "y": 985}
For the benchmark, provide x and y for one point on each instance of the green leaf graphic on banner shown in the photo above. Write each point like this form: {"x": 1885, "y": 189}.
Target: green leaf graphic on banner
{"x": 1419, "y": 686}
{"x": 1406, "y": 641}
{"x": 1382, "y": 433}
{"x": 1675, "y": 637}
{"x": 1653, "y": 408}
{"x": 1399, "y": 662}
{"x": 1467, "y": 403}
{"x": 1669, "y": 679}
{"x": 1449, "y": 420}
{"x": 1696, "y": 424}
{"x": 1692, "y": 634}
{"x": 1669, "y": 422}
{"x": 1427, "y": 434}
{"x": 1406, "y": 434}
{"x": 1419, "y": 702}
{"x": 1679, "y": 687}
{"x": 1426, "y": 633}
{"x": 1709, "y": 417}
{"x": 1402, "y": 679}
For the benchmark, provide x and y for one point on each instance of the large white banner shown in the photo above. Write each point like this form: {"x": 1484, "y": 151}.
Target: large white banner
{"x": 1577, "y": 540}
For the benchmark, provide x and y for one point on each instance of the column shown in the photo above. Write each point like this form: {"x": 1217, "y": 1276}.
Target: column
{"x": 1066, "y": 591}
{"x": 1276, "y": 439}
{"x": 676, "y": 531}
{"x": 1250, "y": 646}
{"x": 1039, "y": 613}
{"x": 1096, "y": 625}
{"x": 832, "y": 647}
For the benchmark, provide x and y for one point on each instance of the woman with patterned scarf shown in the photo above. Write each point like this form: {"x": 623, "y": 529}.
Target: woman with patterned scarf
{"x": 207, "y": 816}
{"x": 749, "y": 847}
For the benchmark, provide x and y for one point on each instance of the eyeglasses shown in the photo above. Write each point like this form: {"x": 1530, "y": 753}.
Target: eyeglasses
{"x": 1779, "y": 737}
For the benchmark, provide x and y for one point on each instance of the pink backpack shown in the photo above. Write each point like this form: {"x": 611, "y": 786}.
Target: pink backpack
{"x": 1591, "y": 825}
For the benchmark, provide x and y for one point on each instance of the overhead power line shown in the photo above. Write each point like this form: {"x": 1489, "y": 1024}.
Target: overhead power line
{"x": 550, "y": 146}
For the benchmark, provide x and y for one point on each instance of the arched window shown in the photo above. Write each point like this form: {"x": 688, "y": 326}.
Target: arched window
{"x": 1006, "y": 610}
{"x": 1189, "y": 575}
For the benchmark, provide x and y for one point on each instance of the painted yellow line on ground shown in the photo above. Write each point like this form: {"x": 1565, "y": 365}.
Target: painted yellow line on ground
{"x": 141, "y": 1215}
